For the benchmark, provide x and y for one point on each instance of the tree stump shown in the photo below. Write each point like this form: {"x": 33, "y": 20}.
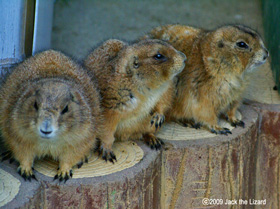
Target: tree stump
{"x": 213, "y": 167}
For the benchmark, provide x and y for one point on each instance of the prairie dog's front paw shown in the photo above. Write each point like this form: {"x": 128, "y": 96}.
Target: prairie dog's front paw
{"x": 220, "y": 130}
{"x": 106, "y": 152}
{"x": 235, "y": 122}
{"x": 26, "y": 173}
{"x": 194, "y": 124}
{"x": 152, "y": 141}
{"x": 157, "y": 120}
{"x": 63, "y": 174}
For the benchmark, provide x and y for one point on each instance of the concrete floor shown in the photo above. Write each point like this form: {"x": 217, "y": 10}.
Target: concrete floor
{"x": 81, "y": 24}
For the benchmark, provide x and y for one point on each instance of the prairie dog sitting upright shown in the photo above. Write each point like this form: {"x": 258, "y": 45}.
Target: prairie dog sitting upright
{"x": 135, "y": 83}
{"x": 49, "y": 107}
{"x": 216, "y": 71}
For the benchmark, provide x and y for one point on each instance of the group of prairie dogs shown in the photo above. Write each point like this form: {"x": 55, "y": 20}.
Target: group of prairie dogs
{"x": 52, "y": 106}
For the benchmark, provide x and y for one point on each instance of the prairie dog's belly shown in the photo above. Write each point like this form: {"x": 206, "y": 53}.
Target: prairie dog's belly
{"x": 55, "y": 147}
{"x": 49, "y": 148}
{"x": 130, "y": 122}
{"x": 219, "y": 95}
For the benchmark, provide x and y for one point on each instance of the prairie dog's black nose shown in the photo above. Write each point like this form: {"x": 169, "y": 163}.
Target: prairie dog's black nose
{"x": 266, "y": 55}
{"x": 46, "y": 129}
{"x": 183, "y": 55}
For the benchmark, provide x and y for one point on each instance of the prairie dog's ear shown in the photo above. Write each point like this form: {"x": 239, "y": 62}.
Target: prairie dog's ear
{"x": 127, "y": 62}
{"x": 108, "y": 51}
{"x": 218, "y": 35}
{"x": 112, "y": 47}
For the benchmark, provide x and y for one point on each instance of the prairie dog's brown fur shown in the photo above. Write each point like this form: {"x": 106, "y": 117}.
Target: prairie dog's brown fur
{"x": 49, "y": 107}
{"x": 132, "y": 80}
{"x": 216, "y": 72}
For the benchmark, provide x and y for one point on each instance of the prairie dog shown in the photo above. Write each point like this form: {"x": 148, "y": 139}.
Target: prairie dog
{"x": 135, "y": 82}
{"x": 49, "y": 107}
{"x": 216, "y": 72}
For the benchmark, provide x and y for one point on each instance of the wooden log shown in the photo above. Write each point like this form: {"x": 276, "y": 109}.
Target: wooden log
{"x": 220, "y": 167}
{"x": 267, "y": 166}
{"x": 135, "y": 187}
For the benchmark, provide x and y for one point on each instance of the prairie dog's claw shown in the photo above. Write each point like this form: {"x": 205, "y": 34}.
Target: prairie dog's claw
{"x": 157, "y": 120}
{"x": 27, "y": 174}
{"x": 63, "y": 175}
{"x": 153, "y": 142}
{"x": 196, "y": 125}
{"x": 81, "y": 163}
{"x": 107, "y": 154}
{"x": 218, "y": 130}
{"x": 238, "y": 123}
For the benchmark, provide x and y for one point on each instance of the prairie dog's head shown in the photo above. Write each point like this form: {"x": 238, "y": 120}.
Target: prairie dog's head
{"x": 51, "y": 109}
{"x": 238, "y": 47}
{"x": 152, "y": 61}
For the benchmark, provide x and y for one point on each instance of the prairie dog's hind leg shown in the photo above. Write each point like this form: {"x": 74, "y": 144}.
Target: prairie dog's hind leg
{"x": 152, "y": 141}
{"x": 231, "y": 115}
{"x": 209, "y": 120}
{"x": 107, "y": 138}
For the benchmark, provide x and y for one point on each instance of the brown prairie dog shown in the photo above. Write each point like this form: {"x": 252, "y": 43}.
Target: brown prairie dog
{"x": 132, "y": 80}
{"x": 216, "y": 72}
{"x": 49, "y": 107}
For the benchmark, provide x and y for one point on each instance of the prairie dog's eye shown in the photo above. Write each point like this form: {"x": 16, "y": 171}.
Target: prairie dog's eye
{"x": 159, "y": 56}
{"x": 136, "y": 64}
{"x": 65, "y": 110}
{"x": 242, "y": 44}
{"x": 36, "y": 106}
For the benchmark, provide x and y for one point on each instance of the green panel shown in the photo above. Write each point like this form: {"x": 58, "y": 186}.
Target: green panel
{"x": 271, "y": 13}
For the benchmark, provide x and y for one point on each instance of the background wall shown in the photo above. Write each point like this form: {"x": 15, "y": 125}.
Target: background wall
{"x": 271, "y": 10}
{"x": 80, "y": 25}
